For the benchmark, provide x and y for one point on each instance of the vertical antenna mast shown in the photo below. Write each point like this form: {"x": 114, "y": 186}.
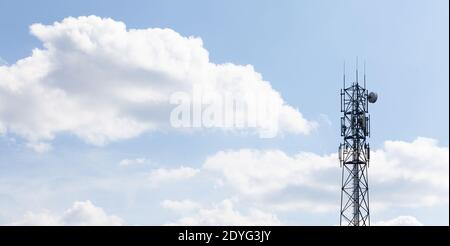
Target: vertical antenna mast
{"x": 364, "y": 74}
{"x": 357, "y": 70}
{"x": 344, "y": 74}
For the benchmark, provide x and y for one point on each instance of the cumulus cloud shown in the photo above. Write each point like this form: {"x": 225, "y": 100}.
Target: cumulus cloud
{"x": 165, "y": 175}
{"x": 419, "y": 161}
{"x": 402, "y": 174}
{"x": 400, "y": 221}
{"x": 102, "y": 82}
{"x": 80, "y": 214}
{"x": 224, "y": 213}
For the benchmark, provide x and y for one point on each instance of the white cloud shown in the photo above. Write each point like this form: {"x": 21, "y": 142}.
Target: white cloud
{"x": 44, "y": 218}
{"x": 274, "y": 183}
{"x": 39, "y": 147}
{"x": 80, "y": 214}
{"x": 102, "y": 82}
{"x": 256, "y": 172}
{"x": 180, "y": 206}
{"x": 419, "y": 161}
{"x": 131, "y": 162}
{"x": 400, "y": 221}
{"x": 401, "y": 174}
{"x": 224, "y": 213}
{"x": 164, "y": 175}
{"x": 304, "y": 205}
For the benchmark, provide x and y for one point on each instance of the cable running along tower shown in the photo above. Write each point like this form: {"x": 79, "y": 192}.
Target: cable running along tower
{"x": 354, "y": 152}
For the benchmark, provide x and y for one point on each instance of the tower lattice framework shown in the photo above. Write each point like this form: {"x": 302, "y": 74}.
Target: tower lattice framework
{"x": 354, "y": 154}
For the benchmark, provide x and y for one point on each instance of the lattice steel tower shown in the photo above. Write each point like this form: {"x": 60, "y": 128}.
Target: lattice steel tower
{"x": 354, "y": 152}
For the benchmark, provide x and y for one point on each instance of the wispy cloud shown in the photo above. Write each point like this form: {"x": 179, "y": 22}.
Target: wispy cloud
{"x": 224, "y": 213}
{"x": 132, "y": 162}
{"x": 400, "y": 221}
{"x": 80, "y": 214}
{"x": 164, "y": 175}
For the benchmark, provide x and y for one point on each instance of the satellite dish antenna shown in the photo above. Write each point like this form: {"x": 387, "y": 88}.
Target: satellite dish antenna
{"x": 372, "y": 97}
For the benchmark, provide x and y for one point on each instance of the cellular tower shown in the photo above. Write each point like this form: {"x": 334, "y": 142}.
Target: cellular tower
{"x": 354, "y": 151}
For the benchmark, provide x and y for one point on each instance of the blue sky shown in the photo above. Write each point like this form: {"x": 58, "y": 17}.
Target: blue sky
{"x": 298, "y": 46}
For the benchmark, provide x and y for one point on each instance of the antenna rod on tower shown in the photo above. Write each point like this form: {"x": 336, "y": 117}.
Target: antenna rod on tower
{"x": 344, "y": 74}
{"x": 364, "y": 74}
{"x": 356, "y": 70}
